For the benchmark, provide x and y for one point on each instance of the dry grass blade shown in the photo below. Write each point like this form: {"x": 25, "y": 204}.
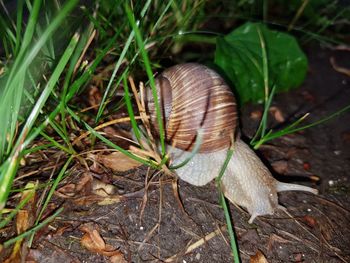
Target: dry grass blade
{"x": 258, "y": 258}
{"x": 152, "y": 147}
{"x": 116, "y": 161}
{"x": 198, "y": 243}
{"x": 339, "y": 69}
{"x": 145, "y": 196}
{"x": 175, "y": 187}
{"x": 101, "y": 126}
{"x": 148, "y": 236}
{"x": 88, "y": 43}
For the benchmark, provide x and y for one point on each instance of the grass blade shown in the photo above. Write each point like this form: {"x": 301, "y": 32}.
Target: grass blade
{"x": 149, "y": 72}
{"x": 223, "y": 202}
{"x": 34, "y": 229}
{"x": 7, "y": 175}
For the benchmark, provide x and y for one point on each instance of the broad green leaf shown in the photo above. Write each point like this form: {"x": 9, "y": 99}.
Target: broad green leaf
{"x": 240, "y": 56}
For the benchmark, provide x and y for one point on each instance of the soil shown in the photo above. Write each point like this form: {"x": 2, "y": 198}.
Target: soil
{"x": 315, "y": 228}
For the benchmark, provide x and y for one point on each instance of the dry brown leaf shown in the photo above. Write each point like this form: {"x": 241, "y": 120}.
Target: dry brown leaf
{"x": 117, "y": 258}
{"x": 25, "y": 217}
{"x": 117, "y": 161}
{"x": 277, "y": 114}
{"x": 93, "y": 241}
{"x": 71, "y": 190}
{"x": 100, "y": 200}
{"x": 15, "y": 256}
{"x": 66, "y": 191}
{"x": 61, "y": 230}
{"x": 84, "y": 182}
{"x": 24, "y": 220}
{"x": 258, "y": 258}
{"x": 89, "y": 191}
{"x": 103, "y": 189}
{"x": 110, "y": 200}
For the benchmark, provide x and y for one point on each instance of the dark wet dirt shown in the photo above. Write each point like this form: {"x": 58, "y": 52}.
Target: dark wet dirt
{"x": 315, "y": 229}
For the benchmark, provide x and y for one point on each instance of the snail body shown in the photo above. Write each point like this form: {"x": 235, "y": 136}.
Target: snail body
{"x": 195, "y": 99}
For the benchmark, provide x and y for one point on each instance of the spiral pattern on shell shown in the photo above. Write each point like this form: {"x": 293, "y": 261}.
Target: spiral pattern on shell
{"x": 192, "y": 96}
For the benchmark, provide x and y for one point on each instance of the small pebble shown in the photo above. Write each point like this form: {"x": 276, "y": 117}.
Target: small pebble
{"x": 330, "y": 182}
{"x": 337, "y": 152}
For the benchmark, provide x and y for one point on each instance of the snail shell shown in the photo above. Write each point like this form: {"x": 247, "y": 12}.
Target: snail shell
{"x": 194, "y": 97}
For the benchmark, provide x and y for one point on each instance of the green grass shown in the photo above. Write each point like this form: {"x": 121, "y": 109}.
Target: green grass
{"x": 225, "y": 207}
{"x": 11, "y": 144}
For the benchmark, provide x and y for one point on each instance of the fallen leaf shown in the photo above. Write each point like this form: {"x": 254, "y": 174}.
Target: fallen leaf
{"x": 116, "y": 161}
{"x": 67, "y": 191}
{"x": 277, "y": 114}
{"x": 100, "y": 200}
{"x": 93, "y": 242}
{"x": 103, "y": 189}
{"x": 109, "y": 200}
{"x": 61, "y": 230}
{"x": 24, "y": 220}
{"x": 258, "y": 258}
{"x": 25, "y": 217}
{"x": 88, "y": 190}
{"x": 117, "y": 259}
{"x": 71, "y": 190}
{"x": 84, "y": 182}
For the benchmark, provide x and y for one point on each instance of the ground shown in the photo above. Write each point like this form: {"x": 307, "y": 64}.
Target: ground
{"x": 316, "y": 228}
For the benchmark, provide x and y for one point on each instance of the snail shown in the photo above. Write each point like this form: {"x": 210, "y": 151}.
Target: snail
{"x": 194, "y": 98}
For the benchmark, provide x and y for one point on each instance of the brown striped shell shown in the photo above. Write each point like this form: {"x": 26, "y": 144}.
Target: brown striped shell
{"x": 192, "y": 96}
